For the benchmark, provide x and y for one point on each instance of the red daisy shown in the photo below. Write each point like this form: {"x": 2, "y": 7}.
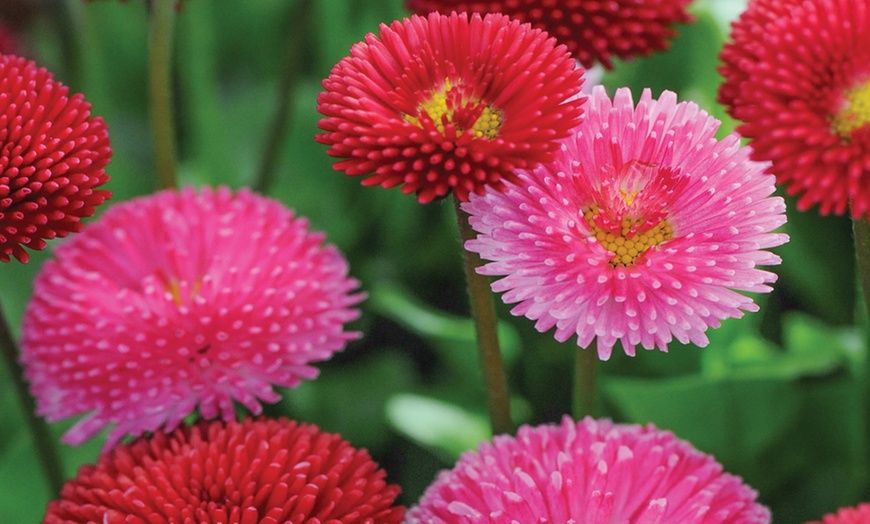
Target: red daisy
{"x": 182, "y": 300}
{"x": 593, "y": 30}
{"x": 797, "y": 73}
{"x": 52, "y": 158}
{"x": 449, "y": 102}
{"x": 250, "y": 472}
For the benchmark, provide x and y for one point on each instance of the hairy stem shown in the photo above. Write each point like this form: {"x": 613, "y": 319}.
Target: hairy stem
{"x": 160, "y": 88}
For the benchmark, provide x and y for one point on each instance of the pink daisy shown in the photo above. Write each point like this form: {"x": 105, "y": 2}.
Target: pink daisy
{"x": 182, "y": 299}
{"x": 593, "y": 30}
{"x": 592, "y": 472}
{"x": 803, "y": 93}
{"x": 449, "y": 102}
{"x": 52, "y": 159}
{"x": 252, "y": 472}
{"x": 856, "y": 515}
{"x": 643, "y": 229}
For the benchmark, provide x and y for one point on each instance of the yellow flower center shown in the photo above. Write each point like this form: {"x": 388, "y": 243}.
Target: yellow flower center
{"x": 630, "y": 242}
{"x": 855, "y": 113}
{"x": 448, "y": 106}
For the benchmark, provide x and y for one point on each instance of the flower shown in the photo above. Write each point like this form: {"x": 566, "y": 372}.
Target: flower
{"x": 8, "y": 40}
{"x": 640, "y": 231}
{"x": 593, "y": 30}
{"x": 180, "y": 299}
{"x": 857, "y": 515}
{"x": 593, "y": 471}
{"x": 52, "y": 158}
{"x": 803, "y": 94}
{"x": 449, "y": 102}
{"x": 255, "y": 471}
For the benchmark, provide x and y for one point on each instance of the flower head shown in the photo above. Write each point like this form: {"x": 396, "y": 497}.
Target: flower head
{"x": 593, "y": 30}
{"x": 52, "y": 158}
{"x": 253, "y": 472}
{"x": 180, "y": 299}
{"x": 643, "y": 229}
{"x": 449, "y": 102}
{"x": 593, "y": 471}
{"x": 857, "y": 515}
{"x": 803, "y": 94}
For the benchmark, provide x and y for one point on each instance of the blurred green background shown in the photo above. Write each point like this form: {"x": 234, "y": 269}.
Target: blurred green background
{"x": 779, "y": 397}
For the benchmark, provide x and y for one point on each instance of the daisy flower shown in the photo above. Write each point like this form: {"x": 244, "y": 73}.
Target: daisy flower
{"x": 449, "y": 102}
{"x": 182, "y": 299}
{"x": 857, "y": 515}
{"x": 803, "y": 94}
{"x": 251, "y": 472}
{"x": 643, "y": 229}
{"x": 595, "y": 31}
{"x": 52, "y": 159}
{"x": 593, "y": 472}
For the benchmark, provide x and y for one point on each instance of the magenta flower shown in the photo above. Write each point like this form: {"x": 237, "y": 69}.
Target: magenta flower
{"x": 592, "y": 472}
{"x": 251, "y": 472}
{"x": 857, "y": 515}
{"x": 644, "y": 229}
{"x": 182, "y": 299}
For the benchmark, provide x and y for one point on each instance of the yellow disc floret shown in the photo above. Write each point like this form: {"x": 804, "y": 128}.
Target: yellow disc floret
{"x": 856, "y": 113}
{"x": 631, "y": 242}
{"x": 440, "y": 110}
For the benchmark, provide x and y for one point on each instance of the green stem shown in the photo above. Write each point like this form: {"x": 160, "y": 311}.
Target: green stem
{"x": 278, "y": 128}
{"x": 861, "y": 228}
{"x": 160, "y": 87}
{"x": 64, "y": 26}
{"x": 485, "y": 325}
{"x": 49, "y": 460}
{"x": 584, "y": 381}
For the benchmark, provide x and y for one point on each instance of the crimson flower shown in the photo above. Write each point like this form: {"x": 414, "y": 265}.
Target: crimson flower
{"x": 594, "y": 472}
{"x": 797, "y": 75}
{"x": 449, "y": 102}
{"x": 644, "y": 228}
{"x": 52, "y": 159}
{"x": 251, "y": 472}
{"x": 182, "y": 299}
{"x": 595, "y": 31}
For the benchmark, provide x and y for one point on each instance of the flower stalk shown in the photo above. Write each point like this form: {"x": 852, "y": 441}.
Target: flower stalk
{"x": 160, "y": 90}
{"x": 583, "y": 401}
{"x": 861, "y": 228}
{"x": 43, "y": 442}
{"x": 485, "y": 326}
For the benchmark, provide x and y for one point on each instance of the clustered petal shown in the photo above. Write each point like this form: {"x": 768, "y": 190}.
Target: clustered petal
{"x": 52, "y": 158}
{"x": 643, "y": 229}
{"x": 857, "y": 515}
{"x": 798, "y": 75}
{"x": 449, "y": 102}
{"x": 594, "y": 472}
{"x": 595, "y": 31}
{"x": 179, "y": 299}
{"x": 251, "y": 472}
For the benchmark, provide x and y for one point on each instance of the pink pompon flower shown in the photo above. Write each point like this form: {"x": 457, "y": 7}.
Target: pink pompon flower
{"x": 595, "y": 31}
{"x": 798, "y": 75}
{"x": 857, "y": 515}
{"x": 593, "y": 472}
{"x": 182, "y": 299}
{"x": 449, "y": 102}
{"x": 251, "y": 472}
{"x": 643, "y": 229}
{"x": 52, "y": 159}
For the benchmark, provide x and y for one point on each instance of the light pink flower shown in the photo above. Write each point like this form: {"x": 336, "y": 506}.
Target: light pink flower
{"x": 182, "y": 299}
{"x": 644, "y": 229}
{"x": 589, "y": 472}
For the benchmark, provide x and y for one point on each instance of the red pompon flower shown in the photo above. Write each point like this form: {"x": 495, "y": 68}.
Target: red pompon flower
{"x": 595, "y": 472}
{"x": 798, "y": 75}
{"x": 251, "y": 472}
{"x": 180, "y": 299}
{"x": 449, "y": 102}
{"x": 593, "y": 30}
{"x": 52, "y": 159}
{"x": 645, "y": 228}
{"x": 856, "y": 515}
